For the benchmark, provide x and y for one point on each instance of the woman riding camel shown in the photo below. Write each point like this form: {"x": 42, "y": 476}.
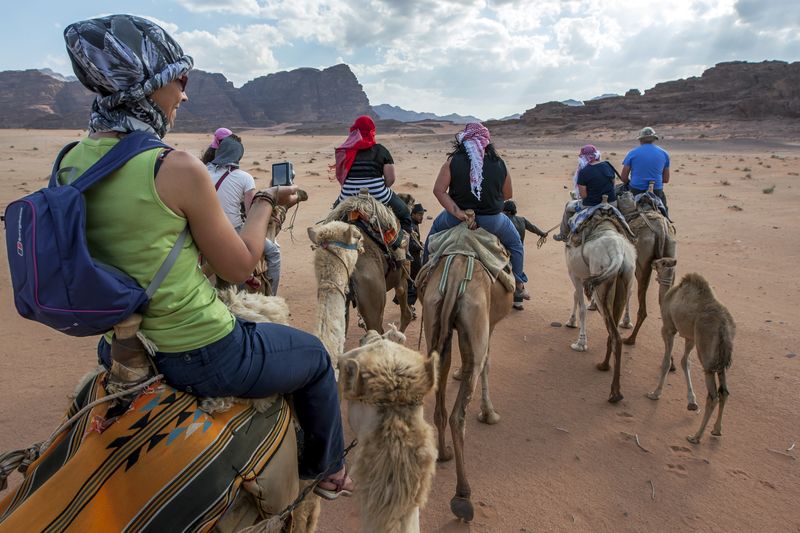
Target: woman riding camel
{"x": 593, "y": 178}
{"x": 139, "y": 74}
{"x": 475, "y": 177}
{"x": 363, "y": 163}
{"x": 211, "y": 152}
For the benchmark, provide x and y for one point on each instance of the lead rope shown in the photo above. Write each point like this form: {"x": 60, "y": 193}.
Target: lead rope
{"x": 275, "y": 523}
{"x": 543, "y": 238}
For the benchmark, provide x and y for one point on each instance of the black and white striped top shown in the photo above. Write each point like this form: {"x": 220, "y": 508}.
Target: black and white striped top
{"x": 367, "y": 171}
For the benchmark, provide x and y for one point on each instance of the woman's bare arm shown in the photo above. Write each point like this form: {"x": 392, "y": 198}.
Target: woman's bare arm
{"x": 183, "y": 185}
{"x": 508, "y": 189}
{"x": 388, "y": 175}
{"x": 440, "y": 192}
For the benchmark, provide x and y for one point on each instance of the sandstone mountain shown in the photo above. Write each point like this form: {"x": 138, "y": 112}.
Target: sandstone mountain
{"x": 33, "y": 99}
{"x": 728, "y": 92}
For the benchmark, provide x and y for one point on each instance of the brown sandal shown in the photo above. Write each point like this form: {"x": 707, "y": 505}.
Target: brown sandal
{"x": 340, "y": 487}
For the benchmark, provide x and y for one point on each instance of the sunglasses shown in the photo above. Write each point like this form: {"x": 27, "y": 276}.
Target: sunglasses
{"x": 183, "y": 80}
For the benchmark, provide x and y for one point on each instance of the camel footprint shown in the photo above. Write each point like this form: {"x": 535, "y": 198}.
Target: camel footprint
{"x": 735, "y": 472}
{"x": 678, "y": 470}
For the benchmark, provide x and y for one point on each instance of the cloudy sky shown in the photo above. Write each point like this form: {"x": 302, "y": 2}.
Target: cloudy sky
{"x": 488, "y": 58}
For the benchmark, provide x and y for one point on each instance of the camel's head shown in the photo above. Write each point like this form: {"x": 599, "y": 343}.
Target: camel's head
{"x": 407, "y": 199}
{"x": 342, "y": 239}
{"x": 384, "y": 373}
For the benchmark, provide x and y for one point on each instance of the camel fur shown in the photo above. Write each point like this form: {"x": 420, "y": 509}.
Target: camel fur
{"x": 384, "y": 384}
{"x": 692, "y": 311}
{"x": 602, "y": 266}
{"x": 655, "y": 250}
{"x": 473, "y": 314}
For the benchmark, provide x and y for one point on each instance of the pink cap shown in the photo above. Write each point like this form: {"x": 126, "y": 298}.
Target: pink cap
{"x": 220, "y": 134}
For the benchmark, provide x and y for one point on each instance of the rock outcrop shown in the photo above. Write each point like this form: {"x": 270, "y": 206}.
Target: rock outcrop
{"x": 33, "y": 99}
{"x": 734, "y": 91}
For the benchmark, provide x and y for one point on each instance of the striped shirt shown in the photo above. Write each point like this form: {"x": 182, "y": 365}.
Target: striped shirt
{"x": 367, "y": 172}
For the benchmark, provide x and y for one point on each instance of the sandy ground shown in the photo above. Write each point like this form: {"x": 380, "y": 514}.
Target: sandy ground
{"x": 561, "y": 458}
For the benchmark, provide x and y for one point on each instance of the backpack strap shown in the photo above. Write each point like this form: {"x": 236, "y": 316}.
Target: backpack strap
{"x": 57, "y": 165}
{"x": 166, "y": 266}
{"x": 615, "y": 170}
{"x": 219, "y": 182}
{"x": 128, "y": 147}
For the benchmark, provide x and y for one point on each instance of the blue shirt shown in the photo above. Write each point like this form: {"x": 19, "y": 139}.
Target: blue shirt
{"x": 598, "y": 180}
{"x": 647, "y": 163}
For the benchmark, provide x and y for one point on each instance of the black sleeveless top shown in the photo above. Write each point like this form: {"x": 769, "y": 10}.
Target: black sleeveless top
{"x": 494, "y": 177}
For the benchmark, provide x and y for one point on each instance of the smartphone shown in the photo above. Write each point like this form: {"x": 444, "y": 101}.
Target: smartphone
{"x": 282, "y": 173}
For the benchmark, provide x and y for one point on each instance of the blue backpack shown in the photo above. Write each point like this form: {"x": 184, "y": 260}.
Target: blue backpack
{"x": 55, "y": 280}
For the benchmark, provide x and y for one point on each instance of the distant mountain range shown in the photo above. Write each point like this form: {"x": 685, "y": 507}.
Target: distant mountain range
{"x": 390, "y": 112}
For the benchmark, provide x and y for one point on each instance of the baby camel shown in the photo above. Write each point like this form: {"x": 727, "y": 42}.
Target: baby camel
{"x": 691, "y": 310}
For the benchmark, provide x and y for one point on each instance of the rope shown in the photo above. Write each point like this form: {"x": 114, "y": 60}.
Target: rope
{"x": 543, "y": 238}
{"x": 21, "y": 459}
{"x": 275, "y": 522}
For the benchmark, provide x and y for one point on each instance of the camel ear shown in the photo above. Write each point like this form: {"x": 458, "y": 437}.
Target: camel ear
{"x": 432, "y": 369}
{"x": 665, "y": 262}
{"x": 353, "y": 235}
{"x": 312, "y": 234}
{"x": 349, "y": 377}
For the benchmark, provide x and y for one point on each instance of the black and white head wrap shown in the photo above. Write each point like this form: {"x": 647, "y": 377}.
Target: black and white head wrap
{"x": 125, "y": 59}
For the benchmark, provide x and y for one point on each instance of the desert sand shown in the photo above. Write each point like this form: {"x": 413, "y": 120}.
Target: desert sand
{"x": 561, "y": 458}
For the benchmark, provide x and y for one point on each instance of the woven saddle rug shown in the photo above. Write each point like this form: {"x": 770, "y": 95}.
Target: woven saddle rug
{"x": 478, "y": 244}
{"x": 163, "y": 465}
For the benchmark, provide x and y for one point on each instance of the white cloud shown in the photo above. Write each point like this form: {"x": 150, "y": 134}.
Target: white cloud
{"x": 496, "y": 57}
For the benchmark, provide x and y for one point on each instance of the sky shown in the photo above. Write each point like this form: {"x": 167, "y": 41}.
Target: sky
{"x": 487, "y": 58}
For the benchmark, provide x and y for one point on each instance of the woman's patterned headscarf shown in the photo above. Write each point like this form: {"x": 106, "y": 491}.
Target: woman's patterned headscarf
{"x": 475, "y": 139}
{"x": 125, "y": 59}
{"x": 588, "y": 154}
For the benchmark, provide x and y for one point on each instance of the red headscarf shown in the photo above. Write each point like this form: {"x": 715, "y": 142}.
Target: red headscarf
{"x": 362, "y": 136}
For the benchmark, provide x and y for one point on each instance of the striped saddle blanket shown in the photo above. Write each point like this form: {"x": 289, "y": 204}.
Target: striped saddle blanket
{"x": 162, "y": 465}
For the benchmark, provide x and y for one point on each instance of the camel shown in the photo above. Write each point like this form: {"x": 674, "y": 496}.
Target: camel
{"x": 655, "y": 250}
{"x": 602, "y": 265}
{"x": 375, "y": 275}
{"x": 268, "y": 489}
{"x": 691, "y": 310}
{"x": 384, "y": 384}
{"x": 472, "y": 307}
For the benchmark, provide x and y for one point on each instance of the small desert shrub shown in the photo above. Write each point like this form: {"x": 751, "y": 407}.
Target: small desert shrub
{"x": 768, "y": 190}
{"x": 724, "y": 182}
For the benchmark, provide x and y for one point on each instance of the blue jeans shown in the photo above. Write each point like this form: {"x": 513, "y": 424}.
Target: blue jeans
{"x": 259, "y": 360}
{"x": 499, "y": 225}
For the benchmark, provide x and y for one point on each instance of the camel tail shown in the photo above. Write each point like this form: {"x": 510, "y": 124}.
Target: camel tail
{"x": 724, "y": 356}
{"x": 445, "y": 312}
{"x": 592, "y": 282}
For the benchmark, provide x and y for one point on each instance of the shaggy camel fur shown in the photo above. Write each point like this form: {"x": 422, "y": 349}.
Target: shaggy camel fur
{"x": 384, "y": 384}
{"x": 602, "y": 266}
{"x": 374, "y": 276}
{"x": 474, "y": 315}
{"x": 655, "y": 250}
{"x": 337, "y": 246}
{"x": 692, "y": 311}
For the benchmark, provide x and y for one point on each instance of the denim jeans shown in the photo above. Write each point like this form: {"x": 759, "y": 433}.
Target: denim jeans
{"x": 499, "y": 225}
{"x": 259, "y": 360}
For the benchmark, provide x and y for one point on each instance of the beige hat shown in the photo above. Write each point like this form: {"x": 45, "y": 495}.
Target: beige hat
{"x": 647, "y": 133}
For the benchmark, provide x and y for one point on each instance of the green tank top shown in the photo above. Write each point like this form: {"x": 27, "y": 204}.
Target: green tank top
{"x": 130, "y": 228}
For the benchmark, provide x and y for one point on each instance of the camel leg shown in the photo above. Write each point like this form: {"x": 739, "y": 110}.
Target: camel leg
{"x": 371, "y": 309}
{"x": 642, "y": 283}
{"x": 668, "y": 334}
{"x": 401, "y": 293}
{"x": 626, "y": 318}
{"x": 440, "y": 410}
{"x": 487, "y": 415}
{"x": 592, "y": 304}
{"x": 580, "y": 345}
{"x": 460, "y": 504}
{"x": 723, "y": 396}
{"x": 612, "y": 315}
{"x": 572, "y": 323}
{"x": 690, "y": 397}
{"x": 711, "y": 402}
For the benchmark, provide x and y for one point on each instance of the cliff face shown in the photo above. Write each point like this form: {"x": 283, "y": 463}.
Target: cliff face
{"x": 32, "y": 99}
{"x": 305, "y": 95}
{"x": 728, "y": 91}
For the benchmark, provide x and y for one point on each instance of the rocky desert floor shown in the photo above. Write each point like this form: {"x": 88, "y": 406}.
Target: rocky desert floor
{"x": 562, "y": 458}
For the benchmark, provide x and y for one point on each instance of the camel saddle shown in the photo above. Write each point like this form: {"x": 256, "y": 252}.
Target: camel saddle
{"x": 479, "y": 244}
{"x": 584, "y": 222}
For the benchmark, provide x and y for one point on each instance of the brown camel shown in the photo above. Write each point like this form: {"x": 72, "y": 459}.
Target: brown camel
{"x": 375, "y": 272}
{"x": 691, "y": 310}
{"x": 472, "y": 303}
{"x": 384, "y": 384}
{"x": 602, "y": 266}
{"x": 655, "y": 250}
